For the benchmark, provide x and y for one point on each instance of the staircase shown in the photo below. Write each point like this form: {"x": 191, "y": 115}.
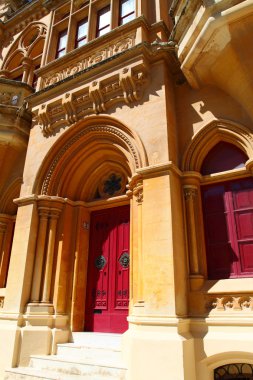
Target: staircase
{"x": 91, "y": 356}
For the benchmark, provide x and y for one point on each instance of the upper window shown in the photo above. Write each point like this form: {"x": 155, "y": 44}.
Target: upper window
{"x": 222, "y": 157}
{"x": 81, "y": 33}
{"x": 81, "y": 21}
{"x": 127, "y": 11}
{"x": 103, "y": 21}
{"x": 62, "y": 44}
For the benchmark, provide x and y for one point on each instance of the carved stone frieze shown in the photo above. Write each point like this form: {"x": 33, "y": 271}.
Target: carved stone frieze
{"x": 9, "y": 98}
{"x": 115, "y": 47}
{"x": 127, "y": 86}
{"x": 230, "y": 303}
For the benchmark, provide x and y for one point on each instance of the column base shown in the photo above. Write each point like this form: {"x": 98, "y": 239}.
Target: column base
{"x": 39, "y": 308}
{"x": 196, "y": 281}
{"x": 139, "y": 308}
{"x": 159, "y": 348}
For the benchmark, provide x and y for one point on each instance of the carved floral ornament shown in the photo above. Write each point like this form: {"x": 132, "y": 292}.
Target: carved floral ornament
{"x": 231, "y": 303}
{"x": 128, "y": 86}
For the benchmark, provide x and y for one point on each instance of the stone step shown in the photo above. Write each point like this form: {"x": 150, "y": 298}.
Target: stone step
{"x": 89, "y": 367}
{"x": 29, "y": 373}
{"x": 102, "y": 340}
{"x": 82, "y": 352}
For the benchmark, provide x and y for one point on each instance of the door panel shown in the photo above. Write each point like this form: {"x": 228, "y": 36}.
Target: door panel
{"x": 107, "y": 295}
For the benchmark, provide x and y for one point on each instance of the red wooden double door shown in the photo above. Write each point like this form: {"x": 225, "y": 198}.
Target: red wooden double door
{"x": 107, "y": 295}
{"x": 228, "y": 217}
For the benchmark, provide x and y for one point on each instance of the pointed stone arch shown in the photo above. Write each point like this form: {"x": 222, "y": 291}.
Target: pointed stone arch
{"x": 26, "y": 41}
{"x": 85, "y": 152}
{"x": 209, "y": 136}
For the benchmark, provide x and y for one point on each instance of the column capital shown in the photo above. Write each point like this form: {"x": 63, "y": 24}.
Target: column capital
{"x": 190, "y": 192}
{"x": 138, "y": 192}
{"x": 3, "y": 227}
{"x": 43, "y": 212}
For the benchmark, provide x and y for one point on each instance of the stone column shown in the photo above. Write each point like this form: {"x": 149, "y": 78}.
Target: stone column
{"x": 193, "y": 235}
{"x": 39, "y": 256}
{"x": 190, "y": 194}
{"x": 3, "y": 227}
{"x": 27, "y": 64}
{"x": 138, "y": 193}
{"x": 54, "y": 215}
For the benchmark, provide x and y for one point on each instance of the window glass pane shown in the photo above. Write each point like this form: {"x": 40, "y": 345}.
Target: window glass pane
{"x": 61, "y": 53}
{"x": 81, "y": 42}
{"x": 104, "y": 17}
{"x": 82, "y": 29}
{"x": 127, "y": 6}
{"x": 103, "y": 31}
{"x": 62, "y": 40}
{"x": 127, "y": 19}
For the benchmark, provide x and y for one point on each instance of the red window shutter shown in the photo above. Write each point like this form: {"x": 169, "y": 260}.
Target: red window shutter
{"x": 228, "y": 220}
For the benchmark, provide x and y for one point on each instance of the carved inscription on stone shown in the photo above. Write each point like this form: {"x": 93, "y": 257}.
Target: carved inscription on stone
{"x": 100, "y": 55}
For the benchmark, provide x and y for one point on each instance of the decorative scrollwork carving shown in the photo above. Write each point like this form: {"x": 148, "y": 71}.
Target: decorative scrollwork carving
{"x": 115, "y": 47}
{"x": 231, "y": 303}
{"x": 94, "y": 99}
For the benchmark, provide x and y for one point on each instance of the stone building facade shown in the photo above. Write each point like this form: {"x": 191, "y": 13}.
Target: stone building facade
{"x": 126, "y": 190}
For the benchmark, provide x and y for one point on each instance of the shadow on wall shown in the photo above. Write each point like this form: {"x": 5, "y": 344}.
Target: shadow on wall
{"x": 196, "y": 108}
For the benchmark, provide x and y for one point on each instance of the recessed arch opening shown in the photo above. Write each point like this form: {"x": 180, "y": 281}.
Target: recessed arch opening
{"x": 88, "y": 151}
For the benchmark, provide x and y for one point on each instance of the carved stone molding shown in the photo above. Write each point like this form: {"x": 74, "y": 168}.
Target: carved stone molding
{"x": 99, "y": 129}
{"x": 106, "y": 52}
{"x": 230, "y": 303}
{"x": 128, "y": 86}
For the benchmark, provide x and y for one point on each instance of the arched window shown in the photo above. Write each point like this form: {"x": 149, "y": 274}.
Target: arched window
{"x": 242, "y": 371}
{"x": 24, "y": 56}
{"x": 228, "y": 216}
{"x": 223, "y": 156}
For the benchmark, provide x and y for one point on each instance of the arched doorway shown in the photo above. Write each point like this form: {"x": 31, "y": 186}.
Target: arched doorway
{"x": 88, "y": 169}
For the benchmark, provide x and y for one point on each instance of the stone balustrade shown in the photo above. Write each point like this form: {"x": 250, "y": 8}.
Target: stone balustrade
{"x": 13, "y": 93}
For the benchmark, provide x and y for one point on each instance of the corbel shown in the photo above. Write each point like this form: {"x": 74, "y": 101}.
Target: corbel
{"x": 97, "y": 97}
{"x": 68, "y": 105}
